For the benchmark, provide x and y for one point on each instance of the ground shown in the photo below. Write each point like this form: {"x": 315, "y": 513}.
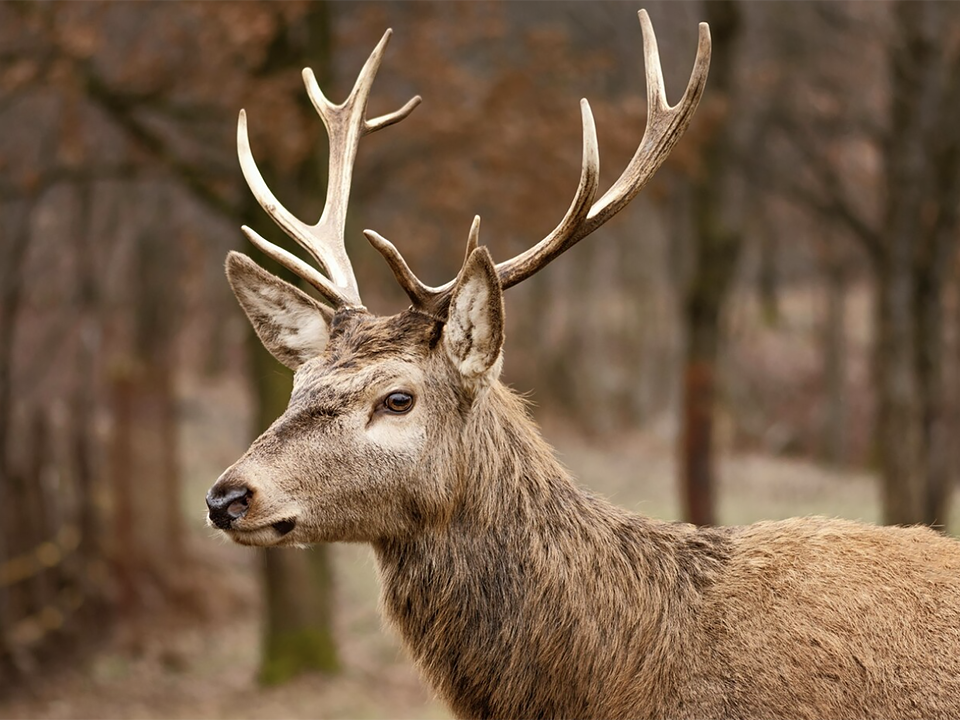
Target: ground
{"x": 183, "y": 667}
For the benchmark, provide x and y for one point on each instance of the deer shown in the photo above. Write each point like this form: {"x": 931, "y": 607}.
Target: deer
{"x": 518, "y": 593}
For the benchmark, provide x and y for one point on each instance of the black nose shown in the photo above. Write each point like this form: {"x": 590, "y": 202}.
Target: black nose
{"x": 227, "y": 504}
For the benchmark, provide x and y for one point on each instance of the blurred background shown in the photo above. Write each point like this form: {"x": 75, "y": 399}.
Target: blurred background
{"x": 770, "y": 329}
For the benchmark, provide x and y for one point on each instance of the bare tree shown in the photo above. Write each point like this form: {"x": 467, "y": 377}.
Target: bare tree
{"x": 716, "y": 247}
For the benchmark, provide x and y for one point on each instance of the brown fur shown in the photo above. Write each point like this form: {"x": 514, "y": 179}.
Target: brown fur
{"x": 521, "y": 595}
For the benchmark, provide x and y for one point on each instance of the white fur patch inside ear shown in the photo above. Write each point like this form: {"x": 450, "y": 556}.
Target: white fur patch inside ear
{"x": 469, "y": 327}
{"x": 473, "y": 334}
{"x": 299, "y": 329}
{"x": 291, "y": 325}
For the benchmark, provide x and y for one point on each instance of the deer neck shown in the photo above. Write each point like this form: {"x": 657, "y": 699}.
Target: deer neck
{"x": 519, "y": 582}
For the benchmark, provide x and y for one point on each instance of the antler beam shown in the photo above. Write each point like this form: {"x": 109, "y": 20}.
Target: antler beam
{"x": 665, "y": 125}
{"x": 346, "y": 124}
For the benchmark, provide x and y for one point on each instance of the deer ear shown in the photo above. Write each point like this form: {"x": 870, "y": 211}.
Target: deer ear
{"x": 291, "y": 325}
{"x": 473, "y": 333}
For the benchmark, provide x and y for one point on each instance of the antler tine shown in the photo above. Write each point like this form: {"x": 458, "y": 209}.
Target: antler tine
{"x": 664, "y": 127}
{"x": 532, "y": 259}
{"x": 473, "y": 239}
{"x": 298, "y": 267}
{"x": 431, "y": 300}
{"x": 665, "y": 123}
{"x": 360, "y": 92}
{"x": 345, "y": 124}
{"x": 418, "y": 293}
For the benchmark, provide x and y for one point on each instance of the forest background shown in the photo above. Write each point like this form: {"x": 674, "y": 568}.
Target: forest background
{"x": 772, "y": 328}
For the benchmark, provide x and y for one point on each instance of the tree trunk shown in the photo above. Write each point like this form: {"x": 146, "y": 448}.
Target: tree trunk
{"x": 14, "y": 241}
{"x": 298, "y": 632}
{"x": 834, "y": 438}
{"x": 699, "y": 382}
{"x": 148, "y": 533}
{"x": 168, "y": 442}
{"x": 909, "y": 346}
{"x": 126, "y": 553}
{"x": 715, "y": 253}
{"x": 768, "y": 279}
{"x": 157, "y": 319}
{"x": 85, "y": 392}
{"x": 933, "y": 436}
{"x": 897, "y": 411}
{"x": 936, "y": 252}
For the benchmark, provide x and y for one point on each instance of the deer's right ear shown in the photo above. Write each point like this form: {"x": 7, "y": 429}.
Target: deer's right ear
{"x": 473, "y": 333}
{"x": 291, "y": 325}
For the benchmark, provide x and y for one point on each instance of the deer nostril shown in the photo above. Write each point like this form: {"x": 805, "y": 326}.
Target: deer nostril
{"x": 227, "y": 504}
{"x": 238, "y": 508}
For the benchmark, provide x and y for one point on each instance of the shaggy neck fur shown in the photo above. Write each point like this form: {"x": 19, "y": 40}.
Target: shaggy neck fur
{"x": 509, "y": 611}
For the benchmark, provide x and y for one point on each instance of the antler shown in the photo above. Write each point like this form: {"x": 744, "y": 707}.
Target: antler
{"x": 346, "y": 124}
{"x": 665, "y": 125}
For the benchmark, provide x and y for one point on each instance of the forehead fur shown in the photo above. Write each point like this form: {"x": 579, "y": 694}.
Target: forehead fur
{"x": 361, "y": 343}
{"x": 358, "y": 337}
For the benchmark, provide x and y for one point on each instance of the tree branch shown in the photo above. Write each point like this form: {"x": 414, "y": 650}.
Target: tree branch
{"x": 122, "y": 109}
{"x": 833, "y": 202}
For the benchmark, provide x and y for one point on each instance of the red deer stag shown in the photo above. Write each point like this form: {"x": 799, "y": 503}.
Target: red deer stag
{"x": 519, "y": 594}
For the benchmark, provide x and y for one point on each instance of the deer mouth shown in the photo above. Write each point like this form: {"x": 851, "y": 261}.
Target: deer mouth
{"x": 274, "y": 533}
{"x": 283, "y": 527}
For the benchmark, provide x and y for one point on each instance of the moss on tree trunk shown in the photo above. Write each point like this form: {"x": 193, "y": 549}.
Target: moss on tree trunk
{"x": 298, "y": 633}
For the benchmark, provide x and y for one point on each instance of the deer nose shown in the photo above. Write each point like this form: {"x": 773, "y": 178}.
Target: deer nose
{"x": 226, "y": 504}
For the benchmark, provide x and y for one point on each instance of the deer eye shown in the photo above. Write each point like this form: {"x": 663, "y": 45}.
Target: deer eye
{"x": 398, "y": 402}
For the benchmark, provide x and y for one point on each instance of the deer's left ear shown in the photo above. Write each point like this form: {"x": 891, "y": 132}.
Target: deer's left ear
{"x": 291, "y": 325}
{"x": 473, "y": 333}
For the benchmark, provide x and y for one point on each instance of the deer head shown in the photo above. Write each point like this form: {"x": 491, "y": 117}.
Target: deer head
{"x": 370, "y": 445}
